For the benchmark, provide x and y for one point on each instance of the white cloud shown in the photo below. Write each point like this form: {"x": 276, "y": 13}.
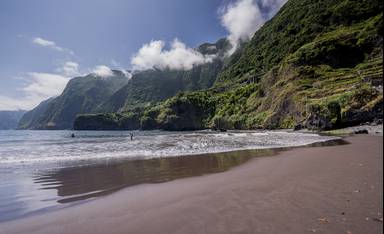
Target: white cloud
{"x": 46, "y": 43}
{"x": 69, "y": 69}
{"x": 126, "y": 73}
{"x": 102, "y": 71}
{"x": 119, "y": 67}
{"x": 45, "y": 84}
{"x": 40, "y": 86}
{"x": 241, "y": 19}
{"x": 179, "y": 56}
{"x": 50, "y": 44}
{"x": 244, "y": 17}
{"x": 24, "y": 103}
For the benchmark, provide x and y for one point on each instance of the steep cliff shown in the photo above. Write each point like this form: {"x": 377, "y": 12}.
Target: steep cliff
{"x": 81, "y": 95}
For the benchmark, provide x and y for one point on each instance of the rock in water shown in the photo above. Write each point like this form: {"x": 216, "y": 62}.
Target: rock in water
{"x": 361, "y": 131}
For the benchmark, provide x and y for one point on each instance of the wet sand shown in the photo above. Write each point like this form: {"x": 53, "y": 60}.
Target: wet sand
{"x": 335, "y": 189}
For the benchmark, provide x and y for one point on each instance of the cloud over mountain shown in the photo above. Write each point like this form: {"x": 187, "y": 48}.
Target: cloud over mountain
{"x": 45, "y": 84}
{"x": 241, "y": 19}
{"x": 244, "y": 17}
{"x": 39, "y": 87}
{"x": 102, "y": 71}
{"x": 69, "y": 69}
{"x": 179, "y": 56}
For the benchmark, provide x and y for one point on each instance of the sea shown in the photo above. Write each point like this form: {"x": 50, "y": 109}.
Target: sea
{"x": 41, "y": 171}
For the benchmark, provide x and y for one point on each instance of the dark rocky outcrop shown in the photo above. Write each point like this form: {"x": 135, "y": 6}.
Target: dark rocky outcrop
{"x": 366, "y": 114}
{"x": 361, "y": 131}
{"x": 109, "y": 121}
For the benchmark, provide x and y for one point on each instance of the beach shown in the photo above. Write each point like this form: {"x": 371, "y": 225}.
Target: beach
{"x": 332, "y": 189}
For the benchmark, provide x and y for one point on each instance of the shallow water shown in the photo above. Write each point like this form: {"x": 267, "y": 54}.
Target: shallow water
{"x": 45, "y": 170}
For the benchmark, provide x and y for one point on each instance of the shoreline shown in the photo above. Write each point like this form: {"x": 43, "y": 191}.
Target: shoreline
{"x": 264, "y": 195}
{"x": 39, "y": 189}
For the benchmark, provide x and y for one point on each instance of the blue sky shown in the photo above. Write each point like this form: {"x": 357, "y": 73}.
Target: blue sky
{"x": 43, "y": 43}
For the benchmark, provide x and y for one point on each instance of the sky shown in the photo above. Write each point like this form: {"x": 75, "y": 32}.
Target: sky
{"x": 45, "y": 43}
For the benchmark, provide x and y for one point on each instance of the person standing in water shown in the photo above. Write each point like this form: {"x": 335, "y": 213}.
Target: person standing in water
{"x": 131, "y": 134}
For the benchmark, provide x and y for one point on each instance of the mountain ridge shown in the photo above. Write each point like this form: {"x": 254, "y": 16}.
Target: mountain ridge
{"x": 81, "y": 95}
{"x": 315, "y": 65}
{"x": 143, "y": 88}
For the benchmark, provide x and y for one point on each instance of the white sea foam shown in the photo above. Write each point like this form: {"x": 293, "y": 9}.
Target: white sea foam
{"x": 41, "y": 147}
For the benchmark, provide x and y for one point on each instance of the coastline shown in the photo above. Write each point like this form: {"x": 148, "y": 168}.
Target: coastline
{"x": 74, "y": 175}
{"x": 334, "y": 189}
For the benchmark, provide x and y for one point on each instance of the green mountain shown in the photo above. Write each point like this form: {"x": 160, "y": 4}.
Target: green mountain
{"x": 10, "y": 119}
{"x": 81, "y": 95}
{"x": 32, "y": 117}
{"x": 92, "y": 94}
{"x": 316, "y": 64}
{"x": 151, "y": 86}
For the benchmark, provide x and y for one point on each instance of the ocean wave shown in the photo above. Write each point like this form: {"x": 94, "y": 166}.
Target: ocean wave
{"x": 41, "y": 147}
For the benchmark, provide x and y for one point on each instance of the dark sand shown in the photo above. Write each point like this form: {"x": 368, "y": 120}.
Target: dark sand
{"x": 336, "y": 189}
